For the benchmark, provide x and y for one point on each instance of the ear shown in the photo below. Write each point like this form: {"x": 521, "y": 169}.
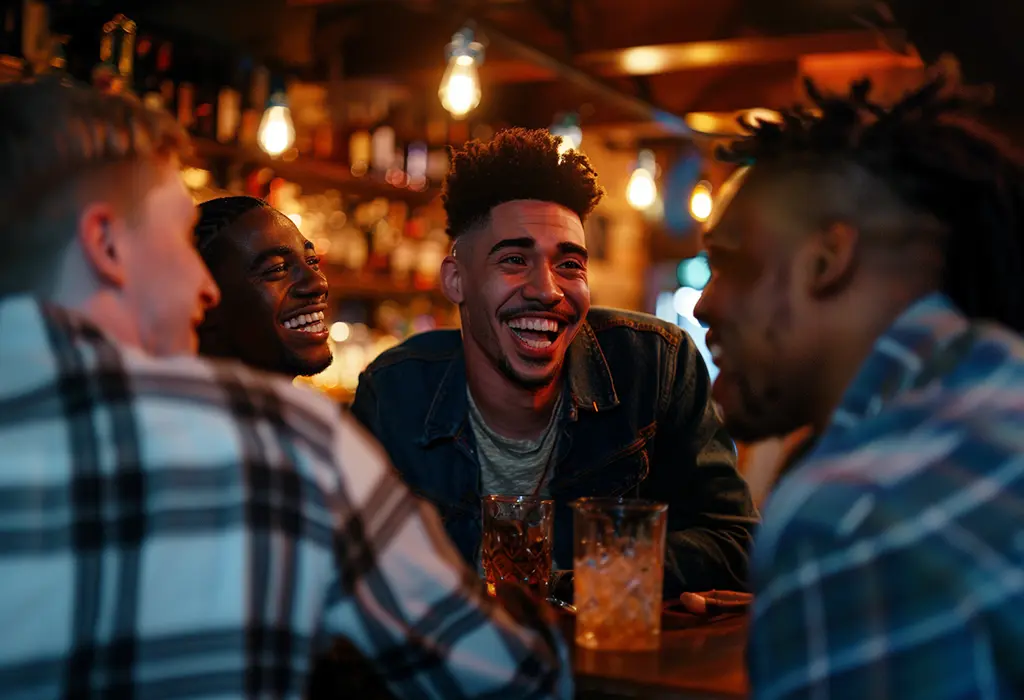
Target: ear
{"x": 833, "y": 258}
{"x": 100, "y": 244}
{"x": 451, "y": 280}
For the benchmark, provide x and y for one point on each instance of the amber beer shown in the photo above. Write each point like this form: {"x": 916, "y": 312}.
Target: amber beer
{"x": 517, "y": 542}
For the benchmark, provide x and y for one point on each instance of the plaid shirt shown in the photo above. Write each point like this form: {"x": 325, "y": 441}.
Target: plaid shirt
{"x": 180, "y": 528}
{"x": 891, "y": 560}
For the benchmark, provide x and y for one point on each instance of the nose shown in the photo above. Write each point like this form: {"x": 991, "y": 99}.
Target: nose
{"x": 209, "y": 292}
{"x": 702, "y": 309}
{"x": 312, "y": 283}
{"x": 542, "y": 286}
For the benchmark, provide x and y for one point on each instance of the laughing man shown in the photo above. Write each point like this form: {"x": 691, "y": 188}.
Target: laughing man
{"x": 540, "y": 393}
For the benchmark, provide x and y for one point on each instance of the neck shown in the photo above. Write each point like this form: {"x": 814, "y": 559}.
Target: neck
{"x": 852, "y": 336}
{"x": 102, "y": 306}
{"x": 509, "y": 409}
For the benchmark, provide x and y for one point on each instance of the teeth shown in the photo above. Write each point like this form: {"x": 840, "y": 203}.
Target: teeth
{"x": 538, "y": 344}
{"x": 316, "y": 317}
{"x": 528, "y": 323}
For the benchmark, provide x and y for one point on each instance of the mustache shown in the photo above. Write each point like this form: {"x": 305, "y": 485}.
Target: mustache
{"x": 568, "y": 318}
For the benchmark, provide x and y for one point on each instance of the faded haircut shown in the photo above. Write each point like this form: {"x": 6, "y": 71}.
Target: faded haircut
{"x": 64, "y": 145}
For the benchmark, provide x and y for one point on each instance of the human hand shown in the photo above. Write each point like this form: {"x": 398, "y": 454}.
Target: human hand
{"x": 714, "y": 603}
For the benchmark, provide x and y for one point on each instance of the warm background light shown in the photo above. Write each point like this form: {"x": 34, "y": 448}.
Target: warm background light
{"x": 277, "y": 132}
{"x": 701, "y": 202}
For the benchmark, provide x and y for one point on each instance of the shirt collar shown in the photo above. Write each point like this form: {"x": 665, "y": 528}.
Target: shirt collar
{"x": 898, "y": 359}
{"x": 590, "y": 383}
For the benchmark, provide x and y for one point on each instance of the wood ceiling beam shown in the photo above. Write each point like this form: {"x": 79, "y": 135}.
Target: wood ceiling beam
{"x": 674, "y": 58}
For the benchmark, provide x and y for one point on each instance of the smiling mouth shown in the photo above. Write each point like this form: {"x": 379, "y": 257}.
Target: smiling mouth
{"x": 536, "y": 333}
{"x": 306, "y": 323}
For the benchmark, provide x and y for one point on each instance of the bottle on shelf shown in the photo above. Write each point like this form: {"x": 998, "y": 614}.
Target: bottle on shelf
{"x": 165, "y": 76}
{"x": 229, "y": 107}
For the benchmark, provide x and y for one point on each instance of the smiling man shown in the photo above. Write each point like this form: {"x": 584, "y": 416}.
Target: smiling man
{"x": 273, "y": 294}
{"x": 540, "y": 393}
{"x": 867, "y": 281}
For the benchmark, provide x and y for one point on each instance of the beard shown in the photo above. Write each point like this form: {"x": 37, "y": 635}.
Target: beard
{"x": 295, "y": 366}
{"x": 529, "y": 383}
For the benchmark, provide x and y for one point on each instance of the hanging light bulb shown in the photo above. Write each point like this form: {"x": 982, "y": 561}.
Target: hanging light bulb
{"x": 700, "y": 201}
{"x": 642, "y": 191}
{"x": 277, "y": 132}
{"x": 460, "y": 87}
{"x": 568, "y": 127}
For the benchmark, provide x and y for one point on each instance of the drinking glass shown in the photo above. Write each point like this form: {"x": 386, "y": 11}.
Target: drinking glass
{"x": 517, "y": 542}
{"x": 619, "y": 568}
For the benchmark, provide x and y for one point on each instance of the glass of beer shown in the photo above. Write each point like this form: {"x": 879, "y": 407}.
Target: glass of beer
{"x": 618, "y": 572}
{"x": 517, "y": 542}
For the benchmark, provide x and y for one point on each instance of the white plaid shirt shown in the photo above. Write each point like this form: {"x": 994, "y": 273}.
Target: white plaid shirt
{"x": 181, "y": 528}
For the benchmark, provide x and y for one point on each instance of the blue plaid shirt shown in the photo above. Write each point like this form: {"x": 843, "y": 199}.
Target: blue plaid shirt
{"x": 891, "y": 560}
{"x": 187, "y": 529}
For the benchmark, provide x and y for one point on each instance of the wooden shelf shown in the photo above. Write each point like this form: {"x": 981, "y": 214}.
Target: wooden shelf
{"x": 311, "y": 173}
{"x": 346, "y": 284}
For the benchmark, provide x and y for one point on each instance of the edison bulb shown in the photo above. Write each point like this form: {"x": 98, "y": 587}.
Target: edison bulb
{"x": 701, "y": 202}
{"x": 460, "y": 88}
{"x": 641, "y": 191}
{"x": 572, "y": 137}
{"x": 277, "y": 132}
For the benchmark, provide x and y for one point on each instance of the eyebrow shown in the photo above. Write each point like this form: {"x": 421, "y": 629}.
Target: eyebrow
{"x": 565, "y": 248}
{"x": 281, "y": 251}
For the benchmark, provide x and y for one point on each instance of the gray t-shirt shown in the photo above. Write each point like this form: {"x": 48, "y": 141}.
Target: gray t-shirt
{"x": 511, "y": 467}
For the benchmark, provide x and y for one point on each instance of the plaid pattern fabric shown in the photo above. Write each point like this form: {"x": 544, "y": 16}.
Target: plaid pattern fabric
{"x": 180, "y": 528}
{"x": 891, "y": 560}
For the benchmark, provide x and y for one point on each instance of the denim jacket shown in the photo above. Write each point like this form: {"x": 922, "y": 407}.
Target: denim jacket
{"x": 640, "y": 424}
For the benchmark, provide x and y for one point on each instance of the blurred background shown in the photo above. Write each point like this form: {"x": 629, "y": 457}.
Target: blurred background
{"x": 339, "y": 112}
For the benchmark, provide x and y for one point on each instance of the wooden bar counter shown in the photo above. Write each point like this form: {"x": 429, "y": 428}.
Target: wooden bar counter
{"x": 698, "y": 660}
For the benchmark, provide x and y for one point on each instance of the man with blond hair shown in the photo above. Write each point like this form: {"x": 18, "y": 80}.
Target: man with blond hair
{"x": 176, "y": 527}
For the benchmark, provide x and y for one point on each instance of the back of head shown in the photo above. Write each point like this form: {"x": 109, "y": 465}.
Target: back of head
{"x": 60, "y": 145}
{"x": 517, "y": 164}
{"x": 944, "y": 180}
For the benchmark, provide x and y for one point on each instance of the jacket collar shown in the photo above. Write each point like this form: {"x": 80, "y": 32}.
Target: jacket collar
{"x": 588, "y": 376}
{"x": 913, "y": 348}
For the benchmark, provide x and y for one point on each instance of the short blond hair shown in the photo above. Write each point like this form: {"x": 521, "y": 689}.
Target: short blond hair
{"x": 63, "y": 145}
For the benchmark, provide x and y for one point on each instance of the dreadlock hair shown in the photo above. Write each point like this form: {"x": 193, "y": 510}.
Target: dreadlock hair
{"x": 516, "y": 164}
{"x": 937, "y": 162}
{"x": 218, "y": 215}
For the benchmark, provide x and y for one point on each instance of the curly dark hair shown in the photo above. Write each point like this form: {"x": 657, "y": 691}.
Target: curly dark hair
{"x": 937, "y": 161}
{"x": 515, "y": 164}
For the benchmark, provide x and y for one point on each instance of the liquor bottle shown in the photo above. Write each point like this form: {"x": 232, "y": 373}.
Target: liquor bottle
{"x": 229, "y": 107}
{"x": 206, "y": 99}
{"x": 254, "y": 101}
{"x": 117, "y": 55}
{"x": 165, "y": 76}
{"x": 36, "y": 43}
{"x": 10, "y": 32}
{"x": 145, "y": 69}
{"x": 186, "y": 97}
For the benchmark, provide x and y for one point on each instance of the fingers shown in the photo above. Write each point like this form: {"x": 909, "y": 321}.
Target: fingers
{"x": 711, "y": 603}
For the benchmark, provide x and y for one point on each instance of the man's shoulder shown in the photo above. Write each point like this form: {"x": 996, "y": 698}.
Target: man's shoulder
{"x": 423, "y": 349}
{"x": 629, "y": 340}
{"x": 608, "y": 322}
{"x": 191, "y": 389}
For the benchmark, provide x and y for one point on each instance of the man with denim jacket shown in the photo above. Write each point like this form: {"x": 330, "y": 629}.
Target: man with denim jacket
{"x": 539, "y": 393}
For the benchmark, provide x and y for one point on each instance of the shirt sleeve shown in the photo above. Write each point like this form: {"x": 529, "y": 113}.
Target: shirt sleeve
{"x": 711, "y": 516}
{"x": 857, "y": 601}
{"x": 411, "y": 606}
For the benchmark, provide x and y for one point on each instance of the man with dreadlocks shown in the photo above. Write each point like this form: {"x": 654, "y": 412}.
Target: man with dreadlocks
{"x": 867, "y": 277}
{"x": 273, "y": 294}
